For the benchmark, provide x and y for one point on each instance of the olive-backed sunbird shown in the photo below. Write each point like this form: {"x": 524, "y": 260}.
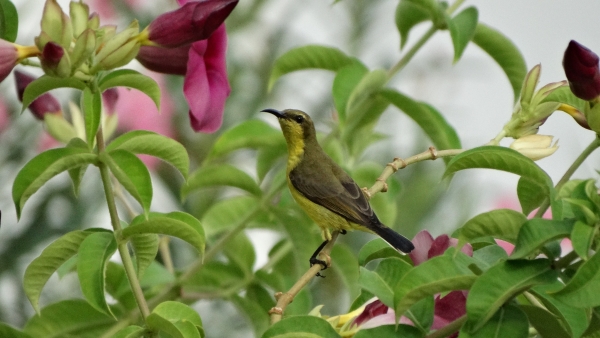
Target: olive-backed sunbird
{"x": 324, "y": 190}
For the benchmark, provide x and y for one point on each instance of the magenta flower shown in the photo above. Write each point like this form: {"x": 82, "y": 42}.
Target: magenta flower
{"x": 206, "y": 86}
{"x": 44, "y": 104}
{"x": 427, "y": 247}
{"x": 194, "y": 21}
{"x": 581, "y": 68}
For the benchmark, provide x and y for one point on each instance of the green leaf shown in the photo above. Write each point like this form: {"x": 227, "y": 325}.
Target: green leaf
{"x": 240, "y": 251}
{"x": 505, "y": 53}
{"x": 51, "y": 258}
{"x": 77, "y": 173}
{"x": 69, "y": 318}
{"x": 132, "y": 331}
{"x": 566, "y": 96}
{"x": 91, "y": 106}
{"x": 545, "y": 323}
{"x": 536, "y": 232}
{"x": 9, "y": 21}
{"x": 377, "y": 248}
{"x": 422, "y": 313}
{"x": 500, "y": 283}
{"x": 7, "y": 331}
{"x": 346, "y": 79}
{"x": 307, "y": 57}
{"x": 94, "y": 252}
{"x": 170, "y": 317}
{"x": 390, "y": 331}
{"x": 382, "y": 281}
{"x": 490, "y": 255}
{"x": 249, "y": 134}
{"x": 267, "y": 159}
{"x": 43, "y": 167}
{"x": 220, "y": 174}
{"x": 530, "y": 196}
{"x": 132, "y": 79}
{"x": 508, "y": 321}
{"x": 431, "y": 121}
{"x": 369, "y": 84}
{"x": 500, "y": 223}
{"x": 408, "y": 15}
{"x": 575, "y": 320}
{"x": 145, "y": 247}
{"x": 504, "y": 159}
{"x": 301, "y": 327}
{"x": 132, "y": 173}
{"x": 177, "y": 224}
{"x": 462, "y": 29}
{"x": 257, "y": 316}
{"x": 346, "y": 268}
{"x": 582, "y": 238}
{"x": 439, "y": 274}
{"x": 226, "y": 213}
{"x": 46, "y": 83}
{"x": 582, "y": 290}
{"x": 153, "y": 144}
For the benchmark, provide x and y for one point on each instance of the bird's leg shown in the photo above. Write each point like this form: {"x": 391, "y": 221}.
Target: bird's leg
{"x": 314, "y": 260}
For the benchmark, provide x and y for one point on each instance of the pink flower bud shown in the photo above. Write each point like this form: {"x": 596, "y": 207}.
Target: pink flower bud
{"x": 192, "y": 22}
{"x": 581, "y": 68}
{"x": 8, "y": 58}
{"x": 154, "y": 58}
{"x": 44, "y": 104}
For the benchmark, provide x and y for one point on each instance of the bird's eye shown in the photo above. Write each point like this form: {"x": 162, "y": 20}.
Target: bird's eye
{"x": 299, "y": 118}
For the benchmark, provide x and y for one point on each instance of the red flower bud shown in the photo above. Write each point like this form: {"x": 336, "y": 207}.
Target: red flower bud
{"x": 581, "y": 68}
{"x": 52, "y": 54}
{"x": 110, "y": 98}
{"x": 154, "y": 58}
{"x": 41, "y": 106}
{"x": 192, "y": 22}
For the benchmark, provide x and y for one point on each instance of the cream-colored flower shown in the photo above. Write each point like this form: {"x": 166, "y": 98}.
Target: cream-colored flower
{"x": 535, "y": 146}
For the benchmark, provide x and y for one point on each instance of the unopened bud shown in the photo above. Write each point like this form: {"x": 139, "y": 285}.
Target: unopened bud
{"x": 55, "y": 61}
{"x": 154, "y": 58}
{"x": 581, "y": 69}
{"x": 56, "y": 24}
{"x": 83, "y": 49}
{"x": 118, "y": 50}
{"x": 8, "y": 58}
{"x": 194, "y": 21}
{"x": 535, "y": 146}
{"x": 79, "y": 13}
{"x": 44, "y": 104}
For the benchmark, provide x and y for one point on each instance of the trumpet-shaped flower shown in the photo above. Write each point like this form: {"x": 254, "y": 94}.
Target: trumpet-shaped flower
{"x": 206, "y": 86}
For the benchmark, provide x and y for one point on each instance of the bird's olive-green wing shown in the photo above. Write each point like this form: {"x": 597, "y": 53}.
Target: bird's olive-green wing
{"x": 335, "y": 191}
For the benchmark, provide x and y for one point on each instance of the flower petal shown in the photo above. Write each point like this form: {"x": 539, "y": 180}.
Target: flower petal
{"x": 206, "y": 86}
{"x": 422, "y": 241}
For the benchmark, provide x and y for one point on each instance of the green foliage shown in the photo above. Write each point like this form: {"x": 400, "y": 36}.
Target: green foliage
{"x": 153, "y": 289}
{"x": 9, "y": 21}
{"x": 131, "y": 79}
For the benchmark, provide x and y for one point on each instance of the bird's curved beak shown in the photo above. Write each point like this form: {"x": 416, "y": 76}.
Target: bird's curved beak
{"x": 274, "y": 112}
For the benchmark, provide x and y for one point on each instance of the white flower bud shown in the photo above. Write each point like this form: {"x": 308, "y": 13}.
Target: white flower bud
{"x": 535, "y": 146}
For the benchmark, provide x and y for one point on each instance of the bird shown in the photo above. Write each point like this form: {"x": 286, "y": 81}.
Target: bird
{"x": 323, "y": 189}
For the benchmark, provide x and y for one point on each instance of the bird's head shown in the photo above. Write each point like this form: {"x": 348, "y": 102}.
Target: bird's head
{"x": 296, "y": 125}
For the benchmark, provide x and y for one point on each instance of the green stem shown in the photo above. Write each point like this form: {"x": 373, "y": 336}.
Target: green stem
{"x": 415, "y": 48}
{"x": 116, "y": 224}
{"x": 567, "y": 176}
{"x": 448, "y": 329}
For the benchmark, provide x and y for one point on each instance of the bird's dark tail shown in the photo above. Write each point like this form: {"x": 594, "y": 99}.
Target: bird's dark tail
{"x": 396, "y": 240}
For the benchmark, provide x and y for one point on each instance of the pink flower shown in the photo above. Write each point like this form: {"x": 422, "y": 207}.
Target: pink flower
{"x": 427, "y": 247}
{"x": 206, "y": 86}
{"x": 8, "y": 58}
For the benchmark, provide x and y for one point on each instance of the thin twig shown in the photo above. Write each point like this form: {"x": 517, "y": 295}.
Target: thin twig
{"x": 284, "y": 299}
